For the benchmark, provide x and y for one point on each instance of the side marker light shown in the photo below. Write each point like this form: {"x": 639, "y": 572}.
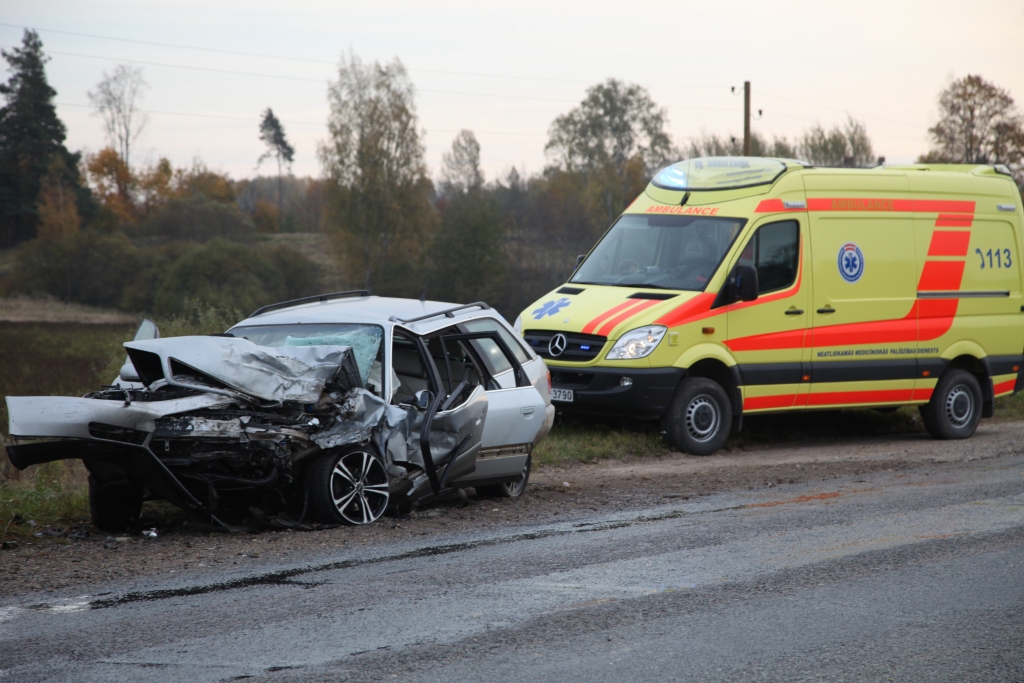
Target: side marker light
{"x": 707, "y": 330}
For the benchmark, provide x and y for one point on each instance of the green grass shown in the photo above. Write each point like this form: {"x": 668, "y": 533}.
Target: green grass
{"x": 53, "y": 497}
{"x": 583, "y": 439}
{"x": 1010, "y": 407}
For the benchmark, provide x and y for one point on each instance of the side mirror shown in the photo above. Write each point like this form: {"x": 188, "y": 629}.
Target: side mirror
{"x": 579, "y": 260}
{"x": 423, "y": 399}
{"x": 746, "y": 283}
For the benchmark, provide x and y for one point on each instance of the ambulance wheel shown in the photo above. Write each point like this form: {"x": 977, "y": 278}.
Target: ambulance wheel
{"x": 699, "y": 417}
{"x": 955, "y": 407}
{"x": 115, "y": 506}
{"x": 348, "y": 486}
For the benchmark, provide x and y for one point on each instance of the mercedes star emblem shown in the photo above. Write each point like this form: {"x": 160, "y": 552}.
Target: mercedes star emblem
{"x": 556, "y": 347}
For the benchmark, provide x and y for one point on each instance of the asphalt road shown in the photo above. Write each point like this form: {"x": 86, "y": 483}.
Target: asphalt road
{"x": 914, "y": 576}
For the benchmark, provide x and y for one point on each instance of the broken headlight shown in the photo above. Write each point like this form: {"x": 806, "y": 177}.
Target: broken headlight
{"x": 637, "y": 343}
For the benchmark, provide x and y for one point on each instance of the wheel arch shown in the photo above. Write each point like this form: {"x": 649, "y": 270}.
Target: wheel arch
{"x": 727, "y": 376}
{"x": 978, "y": 367}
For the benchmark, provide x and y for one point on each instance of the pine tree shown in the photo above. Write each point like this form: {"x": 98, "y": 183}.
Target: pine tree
{"x": 272, "y": 134}
{"x": 30, "y": 136}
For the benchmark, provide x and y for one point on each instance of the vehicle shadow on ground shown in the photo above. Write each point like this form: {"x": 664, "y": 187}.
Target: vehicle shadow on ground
{"x": 578, "y": 438}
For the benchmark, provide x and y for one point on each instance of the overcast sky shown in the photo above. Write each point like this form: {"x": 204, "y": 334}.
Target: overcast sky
{"x": 506, "y": 70}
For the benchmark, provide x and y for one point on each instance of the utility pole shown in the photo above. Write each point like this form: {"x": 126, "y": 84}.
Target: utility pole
{"x": 746, "y": 118}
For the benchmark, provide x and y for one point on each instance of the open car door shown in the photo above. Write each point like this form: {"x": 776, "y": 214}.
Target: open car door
{"x": 515, "y": 413}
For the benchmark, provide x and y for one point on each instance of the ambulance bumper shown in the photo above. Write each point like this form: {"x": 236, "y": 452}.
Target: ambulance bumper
{"x": 632, "y": 392}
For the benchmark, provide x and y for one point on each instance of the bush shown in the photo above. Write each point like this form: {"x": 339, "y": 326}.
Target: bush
{"x": 234, "y": 276}
{"x": 87, "y": 267}
{"x": 198, "y": 219}
{"x": 107, "y": 270}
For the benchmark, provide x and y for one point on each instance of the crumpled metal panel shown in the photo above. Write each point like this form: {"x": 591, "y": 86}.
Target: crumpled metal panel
{"x": 289, "y": 373}
{"x": 69, "y": 417}
{"x": 356, "y": 417}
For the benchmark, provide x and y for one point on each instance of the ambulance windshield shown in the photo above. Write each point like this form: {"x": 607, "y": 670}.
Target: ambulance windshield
{"x": 666, "y": 252}
{"x": 718, "y": 173}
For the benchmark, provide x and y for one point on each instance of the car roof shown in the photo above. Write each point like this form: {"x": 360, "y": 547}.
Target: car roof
{"x": 376, "y": 310}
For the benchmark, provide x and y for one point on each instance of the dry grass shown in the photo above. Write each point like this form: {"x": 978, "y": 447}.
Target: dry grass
{"x": 26, "y": 309}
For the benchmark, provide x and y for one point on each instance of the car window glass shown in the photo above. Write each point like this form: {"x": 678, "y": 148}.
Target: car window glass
{"x": 666, "y": 251}
{"x": 365, "y": 340}
{"x": 408, "y": 368}
{"x": 460, "y": 363}
{"x": 775, "y": 251}
{"x": 490, "y": 351}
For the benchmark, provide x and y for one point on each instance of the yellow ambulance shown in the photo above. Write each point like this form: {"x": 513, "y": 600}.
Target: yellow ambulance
{"x": 742, "y": 285}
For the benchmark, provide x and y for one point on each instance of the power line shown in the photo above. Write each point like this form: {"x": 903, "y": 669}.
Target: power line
{"x": 323, "y": 61}
{"x": 290, "y": 122}
{"x": 316, "y": 80}
{"x": 824, "y": 106}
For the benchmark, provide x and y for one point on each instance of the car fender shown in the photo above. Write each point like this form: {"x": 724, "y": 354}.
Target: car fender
{"x": 964, "y": 347}
{"x": 699, "y": 352}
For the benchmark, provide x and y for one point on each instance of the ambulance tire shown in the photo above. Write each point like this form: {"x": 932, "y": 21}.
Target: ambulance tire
{"x": 955, "y": 407}
{"x": 699, "y": 417}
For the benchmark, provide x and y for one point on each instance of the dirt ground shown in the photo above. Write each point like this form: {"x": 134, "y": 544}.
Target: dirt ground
{"x": 24, "y": 309}
{"x": 53, "y": 563}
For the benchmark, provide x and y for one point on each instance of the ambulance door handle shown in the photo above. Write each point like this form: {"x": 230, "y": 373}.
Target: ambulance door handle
{"x": 795, "y": 311}
{"x": 827, "y": 309}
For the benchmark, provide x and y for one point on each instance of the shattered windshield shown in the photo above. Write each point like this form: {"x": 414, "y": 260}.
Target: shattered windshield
{"x": 669, "y": 252}
{"x": 364, "y": 339}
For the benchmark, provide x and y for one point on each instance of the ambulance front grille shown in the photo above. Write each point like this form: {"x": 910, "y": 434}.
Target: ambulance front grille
{"x": 579, "y": 347}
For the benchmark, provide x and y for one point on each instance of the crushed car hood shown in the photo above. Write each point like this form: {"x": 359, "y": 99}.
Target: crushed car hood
{"x": 238, "y": 366}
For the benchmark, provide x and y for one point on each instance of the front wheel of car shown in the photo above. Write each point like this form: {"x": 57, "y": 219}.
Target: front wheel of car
{"x": 954, "y": 410}
{"x": 699, "y": 417}
{"x": 348, "y": 487}
{"x": 508, "y": 489}
{"x": 114, "y": 506}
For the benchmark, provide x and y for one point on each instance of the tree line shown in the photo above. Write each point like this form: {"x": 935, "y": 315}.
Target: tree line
{"x": 97, "y": 229}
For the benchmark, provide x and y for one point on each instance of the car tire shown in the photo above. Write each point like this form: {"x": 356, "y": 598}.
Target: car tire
{"x": 348, "y": 486}
{"x": 699, "y": 417}
{"x": 116, "y": 506}
{"x": 954, "y": 410}
{"x": 509, "y": 489}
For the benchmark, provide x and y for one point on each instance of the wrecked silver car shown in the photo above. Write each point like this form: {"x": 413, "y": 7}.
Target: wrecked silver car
{"x": 334, "y": 408}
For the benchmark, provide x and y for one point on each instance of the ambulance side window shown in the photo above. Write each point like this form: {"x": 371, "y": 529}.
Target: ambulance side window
{"x": 775, "y": 251}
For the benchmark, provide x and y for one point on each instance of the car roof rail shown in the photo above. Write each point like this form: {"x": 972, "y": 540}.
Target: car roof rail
{"x": 448, "y": 313}
{"x": 310, "y": 299}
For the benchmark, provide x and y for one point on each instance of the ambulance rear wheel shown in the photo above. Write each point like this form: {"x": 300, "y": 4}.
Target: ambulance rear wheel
{"x": 699, "y": 417}
{"x": 955, "y": 407}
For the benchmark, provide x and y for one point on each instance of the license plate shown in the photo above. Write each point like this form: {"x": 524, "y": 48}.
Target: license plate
{"x": 561, "y": 395}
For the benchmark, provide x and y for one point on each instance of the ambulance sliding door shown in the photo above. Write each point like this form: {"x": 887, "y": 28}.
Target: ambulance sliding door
{"x": 863, "y": 319}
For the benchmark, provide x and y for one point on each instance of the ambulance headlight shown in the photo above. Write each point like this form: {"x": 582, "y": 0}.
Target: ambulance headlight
{"x": 637, "y": 343}
{"x": 518, "y": 326}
